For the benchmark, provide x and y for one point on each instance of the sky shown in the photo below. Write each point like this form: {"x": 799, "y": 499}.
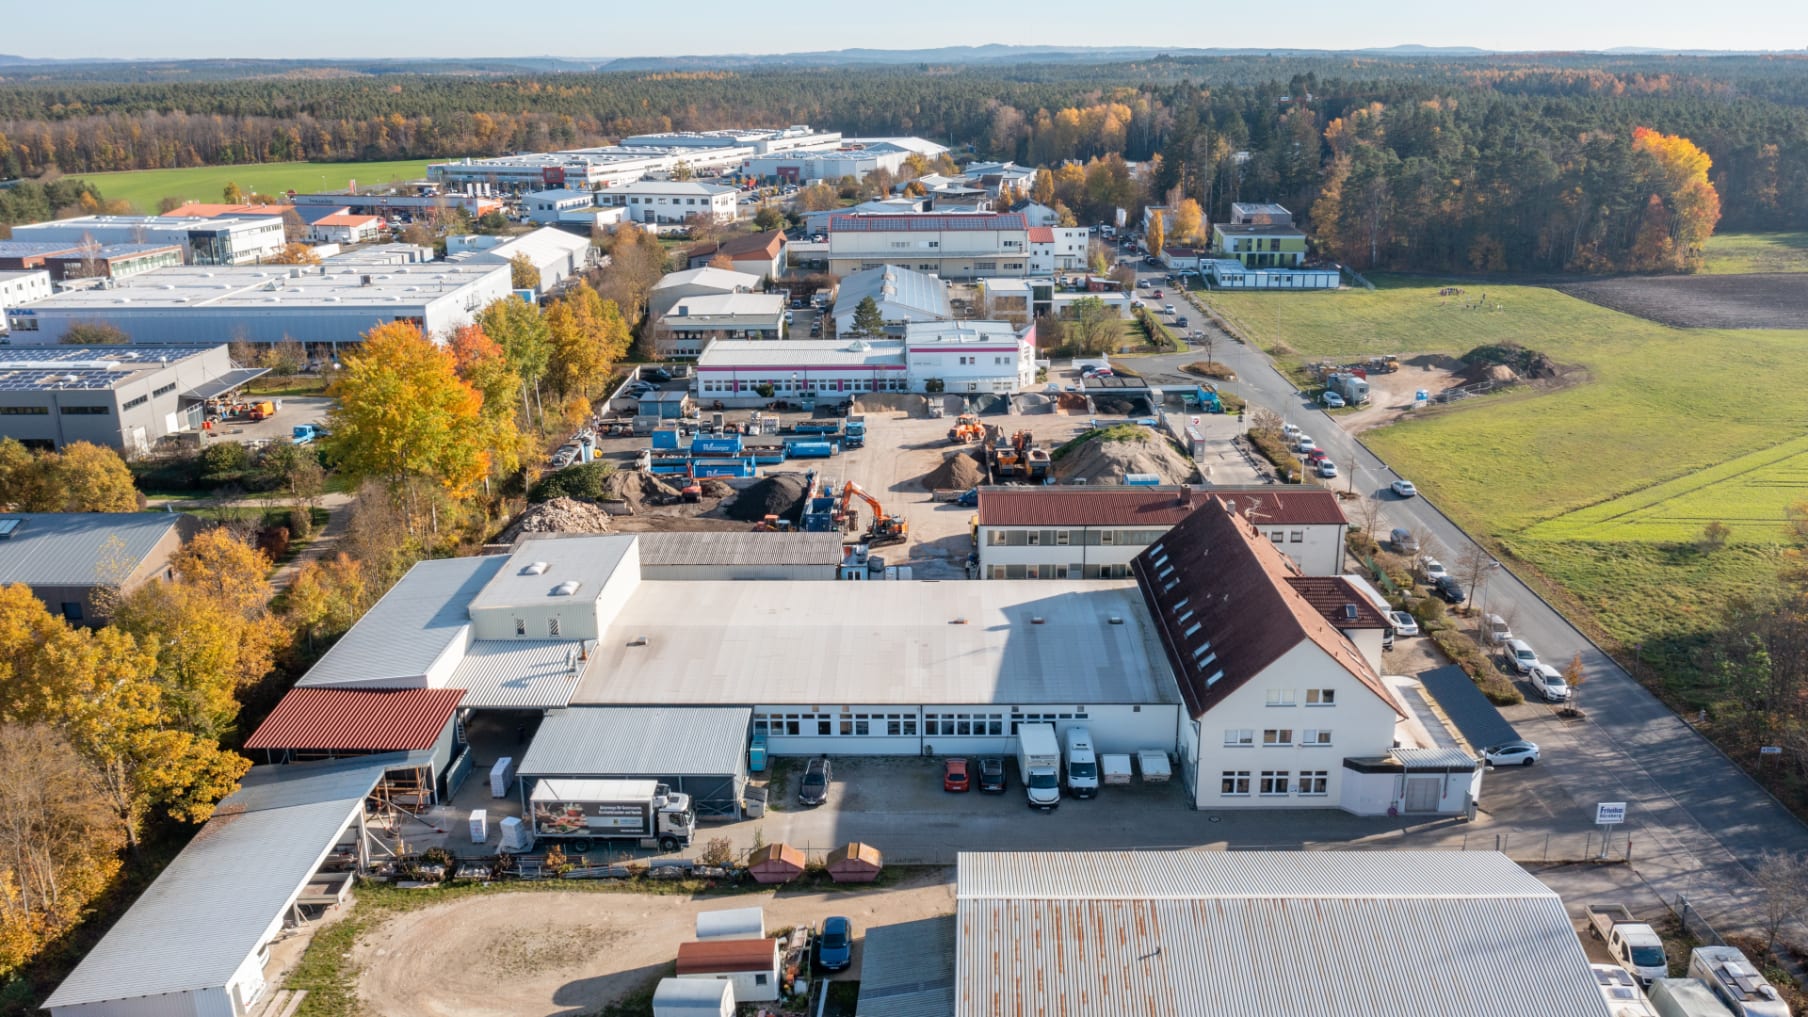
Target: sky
{"x": 328, "y": 29}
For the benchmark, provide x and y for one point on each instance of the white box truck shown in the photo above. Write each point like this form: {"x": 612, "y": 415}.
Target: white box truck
{"x": 583, "y": 811}
{"x": 1039, "y": 765}
{"x": 1082, "y": 764}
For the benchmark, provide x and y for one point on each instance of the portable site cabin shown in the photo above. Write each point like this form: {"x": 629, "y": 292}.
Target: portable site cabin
{"x": 751, "y": 964}
{"x": 855, "y": 863}
{"x": 776, "y": 863}
{"x": 693, "y": 997}
{"x": 735, "y": 923}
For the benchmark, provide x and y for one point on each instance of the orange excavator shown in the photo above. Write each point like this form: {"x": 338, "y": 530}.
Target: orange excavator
{"x": 966, "y": 430}
{"x": 885, "y": 528}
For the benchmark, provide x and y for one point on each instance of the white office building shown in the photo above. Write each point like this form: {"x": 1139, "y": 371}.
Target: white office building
{"x": 331, "y": 303}
{"x": 545, "y": 207}
{"x": 672, "y": 201}
{"x": 968, "y": 357}
{"x": 555, "y": 253}
{"x": 235, "y": 241}
{"x": 20, "y": 288}
{"x": 695, "y": 322}
{"x": 959, "y": 245}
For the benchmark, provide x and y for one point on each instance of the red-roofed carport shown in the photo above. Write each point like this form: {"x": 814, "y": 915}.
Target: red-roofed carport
{"x": 329, "y": 723}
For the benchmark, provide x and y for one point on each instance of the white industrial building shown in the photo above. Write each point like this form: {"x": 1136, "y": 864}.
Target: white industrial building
{"x": 1096, "y": 531}
{"x": 902, "y": 296}
{"x": 961, "y": 357}
{"x": 545, "y": 207}
{"x": 22, "y": 287}
{"x": 237, "y": 241}
{"x": 1255, "y": 933}
{"x": 800, "y": 167}
{"x": 197, "y": 942}
{"x": 697, "y": 282}
{"x": 763, "y": 140}
{"x": 124, "y": 397}
{"x": 556, "y": 254}
{"x": 330, "y": 303}
{"x": 672, "y": 201}
{"x": 736, "y": 555}
{"x": 533, "y": 171}
{"x": 694, "y": 323}
{"x": 954, "y": 245}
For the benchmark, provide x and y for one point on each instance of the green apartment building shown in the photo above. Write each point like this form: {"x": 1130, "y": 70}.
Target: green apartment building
{"x": 1260, "y": 236}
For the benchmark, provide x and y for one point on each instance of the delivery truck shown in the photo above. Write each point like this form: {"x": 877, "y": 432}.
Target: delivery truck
{"x": 580, "y": 812}
{"x": 1039, "y": 765}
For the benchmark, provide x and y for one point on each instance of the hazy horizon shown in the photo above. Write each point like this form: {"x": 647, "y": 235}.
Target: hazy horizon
{"x": 211, "y": 29}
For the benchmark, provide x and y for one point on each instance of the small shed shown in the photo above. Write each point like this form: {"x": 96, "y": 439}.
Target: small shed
{"x": 693, "y": 997}
{"x": 751, "y": 964}
{"x": 666, "y": 404}
{"x": 776, "y": 863}
{"x": 855, "y": 863}
{"x": 736, "y": 923}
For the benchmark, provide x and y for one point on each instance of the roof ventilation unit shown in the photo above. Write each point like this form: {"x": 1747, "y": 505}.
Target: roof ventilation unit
{"x": 566, "y": 588}
{"x": 537, "y": 568}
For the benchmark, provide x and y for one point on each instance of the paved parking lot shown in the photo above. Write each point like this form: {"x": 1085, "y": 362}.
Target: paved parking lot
{"x": 290, "y": 411}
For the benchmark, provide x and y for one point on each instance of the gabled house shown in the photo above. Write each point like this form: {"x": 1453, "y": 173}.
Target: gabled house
{"x": 1278, "y": 700}
{"x": 760, "y": 254}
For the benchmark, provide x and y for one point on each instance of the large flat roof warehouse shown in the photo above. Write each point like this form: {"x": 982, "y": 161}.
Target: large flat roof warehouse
{"x": 724, "y": 354}
{"x": 277, "y": 286}
{"x": 1403, "y": 933}
{"x": 778, "y": 642}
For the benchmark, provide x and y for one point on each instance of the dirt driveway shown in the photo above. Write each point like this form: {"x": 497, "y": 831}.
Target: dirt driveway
{"x": 1391, "y": 395}
{"x": 533, "y": 954}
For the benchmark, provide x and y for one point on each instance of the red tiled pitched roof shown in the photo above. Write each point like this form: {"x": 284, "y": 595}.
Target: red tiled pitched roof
{"x": 365, "y": 720}
{"x": 1334, "y": 597}
{"x": 1215, "y": 570}
{"x": 1042, "y": 235}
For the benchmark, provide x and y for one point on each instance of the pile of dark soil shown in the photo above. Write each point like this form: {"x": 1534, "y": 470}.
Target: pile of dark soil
{"x": 778, "y": 495}
{"x": 1523, "y": 363}
{"x": 957, "y": 473}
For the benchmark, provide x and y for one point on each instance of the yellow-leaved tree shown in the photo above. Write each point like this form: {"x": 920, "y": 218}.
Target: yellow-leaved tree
{"x": 404, "y": 414}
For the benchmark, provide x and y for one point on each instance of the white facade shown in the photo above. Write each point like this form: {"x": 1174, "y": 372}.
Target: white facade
{"x": 1280, "y": 740}
{"x": 1317, "y": 548}
{"x": 1058, "y": 249}
{"x": 970, "y": 356}
{"x": 953, "y": 245}
{"x": 695, "y": 322}
{"x": 545, "y": 207}
{"x": 346, "y": 229}
{"x": 557, "y": 255}
{"x": 237, "y": 241}
{"x": 955, "y": 728}
{"x": 672, "y": 201}
{"x": 329, "y": 303}
{"x": 20, "y": 288}
{"x": 807, "y": 167}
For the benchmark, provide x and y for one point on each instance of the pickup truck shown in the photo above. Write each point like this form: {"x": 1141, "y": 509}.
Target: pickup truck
{"x": 1635, "y": 946}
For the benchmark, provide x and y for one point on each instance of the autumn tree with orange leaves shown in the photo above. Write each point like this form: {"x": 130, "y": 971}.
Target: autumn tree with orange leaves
{"x": 1683, "y": 208}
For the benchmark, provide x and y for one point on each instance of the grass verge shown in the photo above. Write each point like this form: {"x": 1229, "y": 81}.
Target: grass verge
{"x": 145, "y": 188}
{"x": 1736, "y": 253}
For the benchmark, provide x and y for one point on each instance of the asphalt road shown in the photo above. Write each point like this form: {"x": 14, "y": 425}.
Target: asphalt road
{"x": 1700, "y": 824}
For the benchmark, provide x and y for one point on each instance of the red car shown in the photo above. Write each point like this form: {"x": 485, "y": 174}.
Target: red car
{"x": 1317, "y": 455}
{"x": 1156, "y": 294}
{"x": 954, "y": 775}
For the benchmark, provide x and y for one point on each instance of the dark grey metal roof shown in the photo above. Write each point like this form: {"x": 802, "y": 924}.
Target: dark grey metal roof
{"x": 650, "y": 741}
{"x": 907, "y": 969}
{"x": 226, "y": 382}
{"x": 736, "y": 548}
{"x": 81, "y": 548}
{"x": 210, "y": 909}
{"x": 1480, "y": 724}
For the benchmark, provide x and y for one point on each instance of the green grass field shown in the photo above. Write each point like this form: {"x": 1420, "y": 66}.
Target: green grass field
{"x": 145, "y": 188}
{"x": 1733, "y": 253}
{"x": 1604, "y": 484}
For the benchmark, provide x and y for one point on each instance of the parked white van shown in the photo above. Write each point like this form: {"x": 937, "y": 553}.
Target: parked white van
{"x": 1082, "y": 764}
{"x": 1737, "y": 981}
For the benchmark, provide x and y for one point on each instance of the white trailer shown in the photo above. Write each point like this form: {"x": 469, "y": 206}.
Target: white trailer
{"x": 581, "y": 811}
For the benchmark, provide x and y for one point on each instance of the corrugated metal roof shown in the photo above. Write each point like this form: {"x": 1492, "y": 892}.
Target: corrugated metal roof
{"x": 1431, "y": 759}
{"x": 1476, "y": 719}
{"x": 703, "y": 995}
{"x": 80, "y": 548}
{"x": 513, "y": 674}
{"x": 417, "y": 621}
{"x": 734, "y": 548}
{"x": 714, "y": 955}
{"x": 640, "y": 741}
{"x": 898, "y": 292}
{"x": 1252, "y": 934}
{"x": 776, "y": 642}
{"x": 907, "y": 969}
{"x": 210, "y": 908}
{"x": 369, "y": 720}
{"x": 1102, "y": 505}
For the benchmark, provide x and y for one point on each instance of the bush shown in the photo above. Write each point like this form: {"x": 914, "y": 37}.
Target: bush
{"x": 1468, "y": 655}
{"x": 301, "y": 522}
{"x": 1274, "y": 448}
{"x": 224, "y": 462}
{"x": 583, "y": 481}
{"x": 273, "y": 541}
{"x": 718, "y": 852}
{"x": 1211, "y": 369}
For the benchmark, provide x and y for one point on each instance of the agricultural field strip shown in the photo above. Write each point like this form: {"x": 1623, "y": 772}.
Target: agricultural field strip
{"x": 1621, "y": 518}
{"x": 145, "y": 188}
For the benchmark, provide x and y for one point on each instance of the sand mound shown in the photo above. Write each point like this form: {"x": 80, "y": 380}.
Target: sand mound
{"x": 715, "y": 487}
{"x": 957, "y": 473}
{"x": 560, "y": 515}
{"x": 1071, "y": 402}
{"x": 1500, "y": 374}
{"x": 638, "y": 490}
{"x": 777, "y": 495}
{"x": 1103, "y": 461}
{"x": 883, "y": 402}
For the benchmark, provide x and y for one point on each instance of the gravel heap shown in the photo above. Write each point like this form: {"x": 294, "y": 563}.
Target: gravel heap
{"x": 638, "y": 490}
{"x": 560, "y": 515}
{"x": 1106, "y": 462}
{"x": 780, "y": 495}
{"x": 957, "y": 473}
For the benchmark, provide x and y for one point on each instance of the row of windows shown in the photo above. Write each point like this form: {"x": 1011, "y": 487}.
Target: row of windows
{"x": 1276, "y": 737}
{"x": 132, "y": 404}
{"x": 748, "y": 385}
{"x": 24, "y": 411}
{"x": 87, "y": 411}
{"x": 1275, "y": 783}
{"x": 861, "y": 725}
{"x": 1120, "y": 570}
{"x": 161, "y": 391}
{"x": 1314, "y": 697}
{"x": 552, "y": 626}
{"x": 1007, "y": 537}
